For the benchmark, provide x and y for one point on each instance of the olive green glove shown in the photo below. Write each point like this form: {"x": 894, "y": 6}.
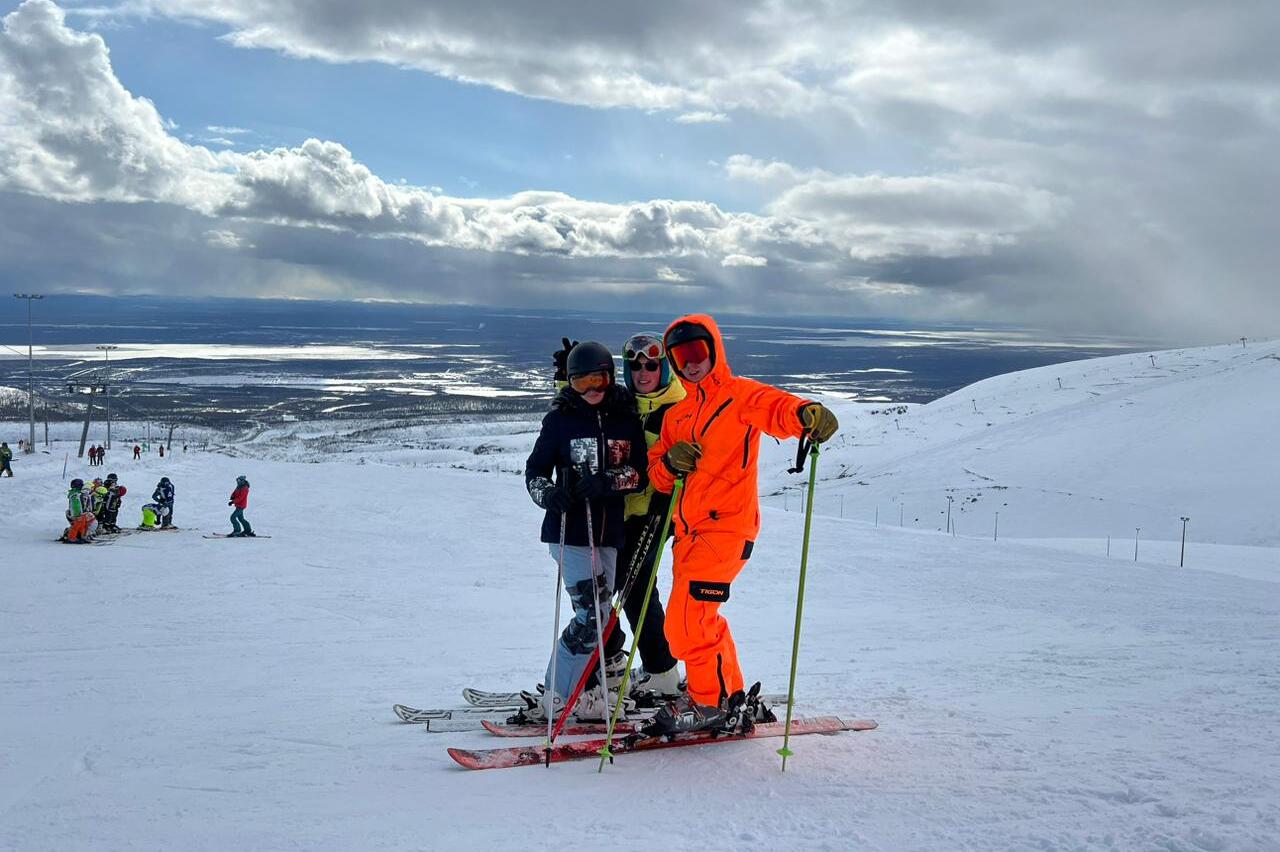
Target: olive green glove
{"x": 819, "y": 422}
{"x": 682, "y": 457}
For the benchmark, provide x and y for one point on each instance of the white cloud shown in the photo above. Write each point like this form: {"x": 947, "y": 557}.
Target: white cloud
{"x": 744, "y": 260}
{"x": 226, "y": 131}
{"x": 701, "y": 117}
{"x": 666, "y": 273}
{"x": 224, "y": 239}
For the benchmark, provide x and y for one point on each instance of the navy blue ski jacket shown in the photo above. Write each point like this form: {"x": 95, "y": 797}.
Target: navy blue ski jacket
{"x": 578, "y": 439}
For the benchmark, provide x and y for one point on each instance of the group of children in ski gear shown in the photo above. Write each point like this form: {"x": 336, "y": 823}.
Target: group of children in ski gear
{"x": 603, "y": 469}
{"x": 94, "y": 508}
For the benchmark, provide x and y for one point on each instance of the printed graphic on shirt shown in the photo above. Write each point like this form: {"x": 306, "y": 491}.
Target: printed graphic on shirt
{"x": 582, "y": 451}
{"x": 619, "y": 452}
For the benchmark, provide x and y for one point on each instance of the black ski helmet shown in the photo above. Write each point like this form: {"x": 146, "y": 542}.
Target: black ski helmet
{"x": 588, "y": 357}
{"x": 77, "y": 483}
{"x": 685, "y": 332}
{"x": 111, "y": 477}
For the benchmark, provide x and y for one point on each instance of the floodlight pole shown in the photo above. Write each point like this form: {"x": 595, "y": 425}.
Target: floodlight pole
{"x": 106, "y": 383}
{"x": 1182, "y": 560}
{"x": 31, "y": 373}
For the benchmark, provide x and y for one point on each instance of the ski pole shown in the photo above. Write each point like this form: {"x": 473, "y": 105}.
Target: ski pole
{"x": 605, "y": 753}
{"x": 548, "y": 695}
{"x": 633, "y": 571}
{"x": 595, "y": 603}
{"x": 795, "y": 642}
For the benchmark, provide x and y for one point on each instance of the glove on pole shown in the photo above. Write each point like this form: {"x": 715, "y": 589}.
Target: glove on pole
{"x": 785, "y": 751}
{"x": 605, "y": 753}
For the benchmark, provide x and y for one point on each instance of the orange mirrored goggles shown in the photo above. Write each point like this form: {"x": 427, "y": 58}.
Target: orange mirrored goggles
{"x": 689, "y": 352}
{"x": 588, "y": 382}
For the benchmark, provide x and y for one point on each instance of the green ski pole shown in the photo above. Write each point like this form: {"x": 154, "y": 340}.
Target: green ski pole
{"x": 605, "y": 753}
{"x": 795, "y": 642}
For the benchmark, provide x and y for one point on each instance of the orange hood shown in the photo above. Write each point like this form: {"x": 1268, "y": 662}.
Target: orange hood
{"x": 720, "y": 372}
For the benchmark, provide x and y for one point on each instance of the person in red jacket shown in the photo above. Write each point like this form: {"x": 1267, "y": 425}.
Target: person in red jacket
{"x": 240, "y": 499}
{"x": 712, "y": 439}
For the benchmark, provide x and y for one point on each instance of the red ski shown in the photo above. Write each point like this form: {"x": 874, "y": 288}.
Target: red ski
{"x": 531, "y": 755}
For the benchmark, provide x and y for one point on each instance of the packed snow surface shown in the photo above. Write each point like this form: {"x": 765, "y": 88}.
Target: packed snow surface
{"x": 171, "y": 691}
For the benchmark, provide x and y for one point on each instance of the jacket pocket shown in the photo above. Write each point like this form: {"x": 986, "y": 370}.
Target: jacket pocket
{"x": 705, "y": 590}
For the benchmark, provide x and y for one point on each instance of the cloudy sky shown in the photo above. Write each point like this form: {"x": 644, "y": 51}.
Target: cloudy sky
{"x": 1096, "y": 167}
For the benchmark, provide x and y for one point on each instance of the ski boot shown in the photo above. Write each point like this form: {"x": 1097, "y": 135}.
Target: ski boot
{"x": 686, "y": 716}
{"x": 653, "y": 689}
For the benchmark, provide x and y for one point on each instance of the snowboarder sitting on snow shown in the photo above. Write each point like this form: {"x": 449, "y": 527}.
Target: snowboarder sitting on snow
{"x": 79, "y": 518}
{"x": 240, "y": 499}
{"x": 712, "y": 438}
{"x": 150, "y": 516}
{"x": 163, "y": 497}
{"x": 593, "y": 442}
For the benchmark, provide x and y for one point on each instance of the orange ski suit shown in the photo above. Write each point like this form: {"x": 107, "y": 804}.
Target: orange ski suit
{"x": 718, "y": 515}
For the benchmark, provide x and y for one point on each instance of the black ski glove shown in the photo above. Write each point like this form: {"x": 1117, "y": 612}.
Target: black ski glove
{"x": 561, "y": 359}
{"x": 592, "y": 487}
{"x": 558, "y": 499}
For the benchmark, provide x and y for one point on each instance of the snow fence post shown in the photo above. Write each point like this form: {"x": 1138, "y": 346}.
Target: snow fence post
{"x": 1182, "y": 559}
{"x": 785, "y": 751}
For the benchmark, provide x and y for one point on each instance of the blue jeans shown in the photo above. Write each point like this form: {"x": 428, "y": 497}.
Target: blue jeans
{"x": 578, "y": 640}
{"x": 238, "y": 521}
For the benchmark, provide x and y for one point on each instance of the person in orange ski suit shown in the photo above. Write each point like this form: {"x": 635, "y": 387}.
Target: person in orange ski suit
{"x": 712, "y": 437}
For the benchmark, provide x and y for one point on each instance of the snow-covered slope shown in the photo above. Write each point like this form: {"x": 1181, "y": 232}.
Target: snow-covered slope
{"x": 170, "y": 691}
{"x": 1122, "y": 444}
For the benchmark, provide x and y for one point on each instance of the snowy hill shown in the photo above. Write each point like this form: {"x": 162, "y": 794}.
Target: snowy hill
{"x": 1121, "y": 444}
{"x": 171, "y": 691}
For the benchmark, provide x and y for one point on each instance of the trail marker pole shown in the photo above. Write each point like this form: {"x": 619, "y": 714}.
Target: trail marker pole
{"x": 1182, "y": 560}
{"x": 1136, "y": 530}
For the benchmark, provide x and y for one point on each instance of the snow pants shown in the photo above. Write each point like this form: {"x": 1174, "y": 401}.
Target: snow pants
{"x": 4, "y": 468}
{"x": 578, "y": 639}
{"x": 81, "y": 527}
{"x": 655, "y": 653}
{"x": 705, "y": 566}
{"x": 238, "y": 521}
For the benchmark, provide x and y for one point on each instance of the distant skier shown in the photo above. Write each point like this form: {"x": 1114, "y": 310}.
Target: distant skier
{"x": 6, "y": 456}
{"x": 162, "y": 451}
{"x": 240, "y": 499}
{"x": 137, "y": 452}
{"x": 593, "y": 442}
{"x": 163, "y": 499}
{"x": 712, "y": 438}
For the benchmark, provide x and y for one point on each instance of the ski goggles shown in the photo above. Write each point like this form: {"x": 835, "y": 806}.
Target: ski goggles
{"x": 690, "y": 352}
{"x": 643, "y": 344}
{"x": 588, "y": 382}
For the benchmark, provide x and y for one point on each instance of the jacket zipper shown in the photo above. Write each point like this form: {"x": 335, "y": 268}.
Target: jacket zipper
{"x": 714, "y": 415}
{"x": 746, "y": 447}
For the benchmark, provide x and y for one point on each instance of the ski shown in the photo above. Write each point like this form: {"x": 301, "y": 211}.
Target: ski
{"x": 531, "y": 755}
{"x": 572, "y": 729}
{"x": 229, "y": 535}
{"x": 414, "y": 716}
{"x": 513, "y": 701}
